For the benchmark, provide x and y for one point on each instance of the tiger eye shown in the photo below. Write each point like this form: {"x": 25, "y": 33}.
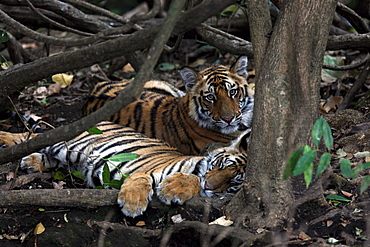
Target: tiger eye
{"x": 233, "y": 92}
{"x": 210, "y": 97}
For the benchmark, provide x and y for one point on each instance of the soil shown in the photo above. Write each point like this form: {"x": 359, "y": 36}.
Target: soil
{"x": 316, "y": 222}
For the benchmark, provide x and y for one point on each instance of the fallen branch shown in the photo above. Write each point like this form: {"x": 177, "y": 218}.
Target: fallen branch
{"x": 59, "y": 198}
{"x": 145, "y": 233}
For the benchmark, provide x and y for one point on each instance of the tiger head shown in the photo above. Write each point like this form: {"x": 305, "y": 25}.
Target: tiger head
{"x": 226, "y": 167}
{"x": 219, "y": 97}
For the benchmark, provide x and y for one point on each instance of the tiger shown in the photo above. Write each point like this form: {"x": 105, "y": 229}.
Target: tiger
{"x": 217, "y": 106}
{"x": 159, "y": 168}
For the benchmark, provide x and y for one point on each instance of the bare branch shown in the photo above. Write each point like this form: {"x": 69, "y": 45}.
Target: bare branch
{"x": 351, "y": 41}
{"x": 128, "y": 95}
{"x": 356, "y": 21}
{"x": 225, "y": 41}
{"x": 56, "y": 24}
{"x": 18, "y": 78}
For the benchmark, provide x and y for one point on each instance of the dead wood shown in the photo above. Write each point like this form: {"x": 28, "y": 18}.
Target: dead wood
{"x": 146, "y": 233}
{"x": 59, "y": 198}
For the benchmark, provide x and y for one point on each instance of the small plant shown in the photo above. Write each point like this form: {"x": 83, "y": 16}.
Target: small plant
{"x": 302, "y": 160}
{"x": 116, "y": 184}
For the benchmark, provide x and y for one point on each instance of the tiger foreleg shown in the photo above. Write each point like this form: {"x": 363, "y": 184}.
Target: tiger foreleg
{"x": 178, "y": 188}
{"x": 135, "y": 194}
{"x": 34, "y": 163}
{"x": 11, "y": 139}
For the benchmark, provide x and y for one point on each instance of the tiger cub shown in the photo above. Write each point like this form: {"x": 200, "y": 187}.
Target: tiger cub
{"x": 217, "y": 106}
{"x": 159, "y": 167}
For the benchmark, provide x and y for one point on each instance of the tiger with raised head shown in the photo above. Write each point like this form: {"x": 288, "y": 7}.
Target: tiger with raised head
{"x": 217, "y": 106}
{"x": 159, "y": 169}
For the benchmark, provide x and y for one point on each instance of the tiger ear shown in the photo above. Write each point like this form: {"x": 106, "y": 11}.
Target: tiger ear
{"x": 241, "y": 142}
{"x": 240, "y": 67}
{"x": 190, "y": 77}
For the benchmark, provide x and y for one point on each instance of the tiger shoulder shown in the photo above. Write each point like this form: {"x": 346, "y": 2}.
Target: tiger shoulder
{"x": 217, "y": 105}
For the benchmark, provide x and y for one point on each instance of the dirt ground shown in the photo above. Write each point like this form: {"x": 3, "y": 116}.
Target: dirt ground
{"x": 317, "y": 223}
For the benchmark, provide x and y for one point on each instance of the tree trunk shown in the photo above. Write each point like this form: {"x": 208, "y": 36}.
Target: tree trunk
{"x": 286, "y": 106}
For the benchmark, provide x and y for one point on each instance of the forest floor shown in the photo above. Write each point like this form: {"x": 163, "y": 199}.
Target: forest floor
{"x": 316, "y": 223}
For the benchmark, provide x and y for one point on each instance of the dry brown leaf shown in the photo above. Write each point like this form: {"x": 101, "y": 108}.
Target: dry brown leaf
{"x": 10, "y": 176}
{"x": 140, "y": 223}
{"x": 40, "y": 92}
{"x": 198, "y": 62}
{"x": 329, "y": 223}
{"x": 63, "y": 79}
{"x": 347, "y": 194}
{"x": 39, "y": 229}
{"x": 58, "y": 185}
{"x": 177, "y": 218}
{"x": 303, "y": 236}
{"x": 128, "y": 68}
{"x": 54, "y": 88}
{"x": 30, "y": 46}
{"x": 223, "y": 221}
{"x": 331, "y": 105}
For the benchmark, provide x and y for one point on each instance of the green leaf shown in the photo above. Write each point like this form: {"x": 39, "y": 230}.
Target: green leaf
{"x": 365, "y": 183}
{"x": 360, "y": 168}
{"x": 291, "y": 164}
{"x": 345, "y": 167}
{"x": 338, "y": 198}
{"x": 115, "y": 184}
{"x": 95, "y": 131}
{"x": 328, "y": 137}
{"x": 304, "y": 162}
{"x": 308, "y": 175}
{"x": 323, "y": 164}
{"x": 59, "y": 175}
{"x": 106, "y": 174}
{"x": 123, "y": 157}
{"x": 78, "y": 174}
{"x": 306, "y": 148}
{"x": 317, "y": 131}
{"x": 167, "y": 66}
{"x": 3, "y": 36}
{"x": 329, "y": 60}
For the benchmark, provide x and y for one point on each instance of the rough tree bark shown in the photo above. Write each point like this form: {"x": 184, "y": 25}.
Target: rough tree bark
{"x": 286, "y": 106}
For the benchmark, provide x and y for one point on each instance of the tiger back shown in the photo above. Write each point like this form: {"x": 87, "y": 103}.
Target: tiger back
{"x": 218, "y": 104}
{"x": 159, "y": 168}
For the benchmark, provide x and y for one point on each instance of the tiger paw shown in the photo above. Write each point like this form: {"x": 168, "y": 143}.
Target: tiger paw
{"x": 135, "y": 194}
{"x": 33, "y": 163}
{"x": 178, "y": 188}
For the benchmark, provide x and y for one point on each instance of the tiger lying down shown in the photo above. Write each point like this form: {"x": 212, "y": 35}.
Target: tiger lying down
{"x": 217, "y": 106}
{"x": 159, "y": 167}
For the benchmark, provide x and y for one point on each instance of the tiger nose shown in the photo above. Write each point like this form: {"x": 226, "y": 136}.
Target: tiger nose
{"x": 227, "y": 119}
